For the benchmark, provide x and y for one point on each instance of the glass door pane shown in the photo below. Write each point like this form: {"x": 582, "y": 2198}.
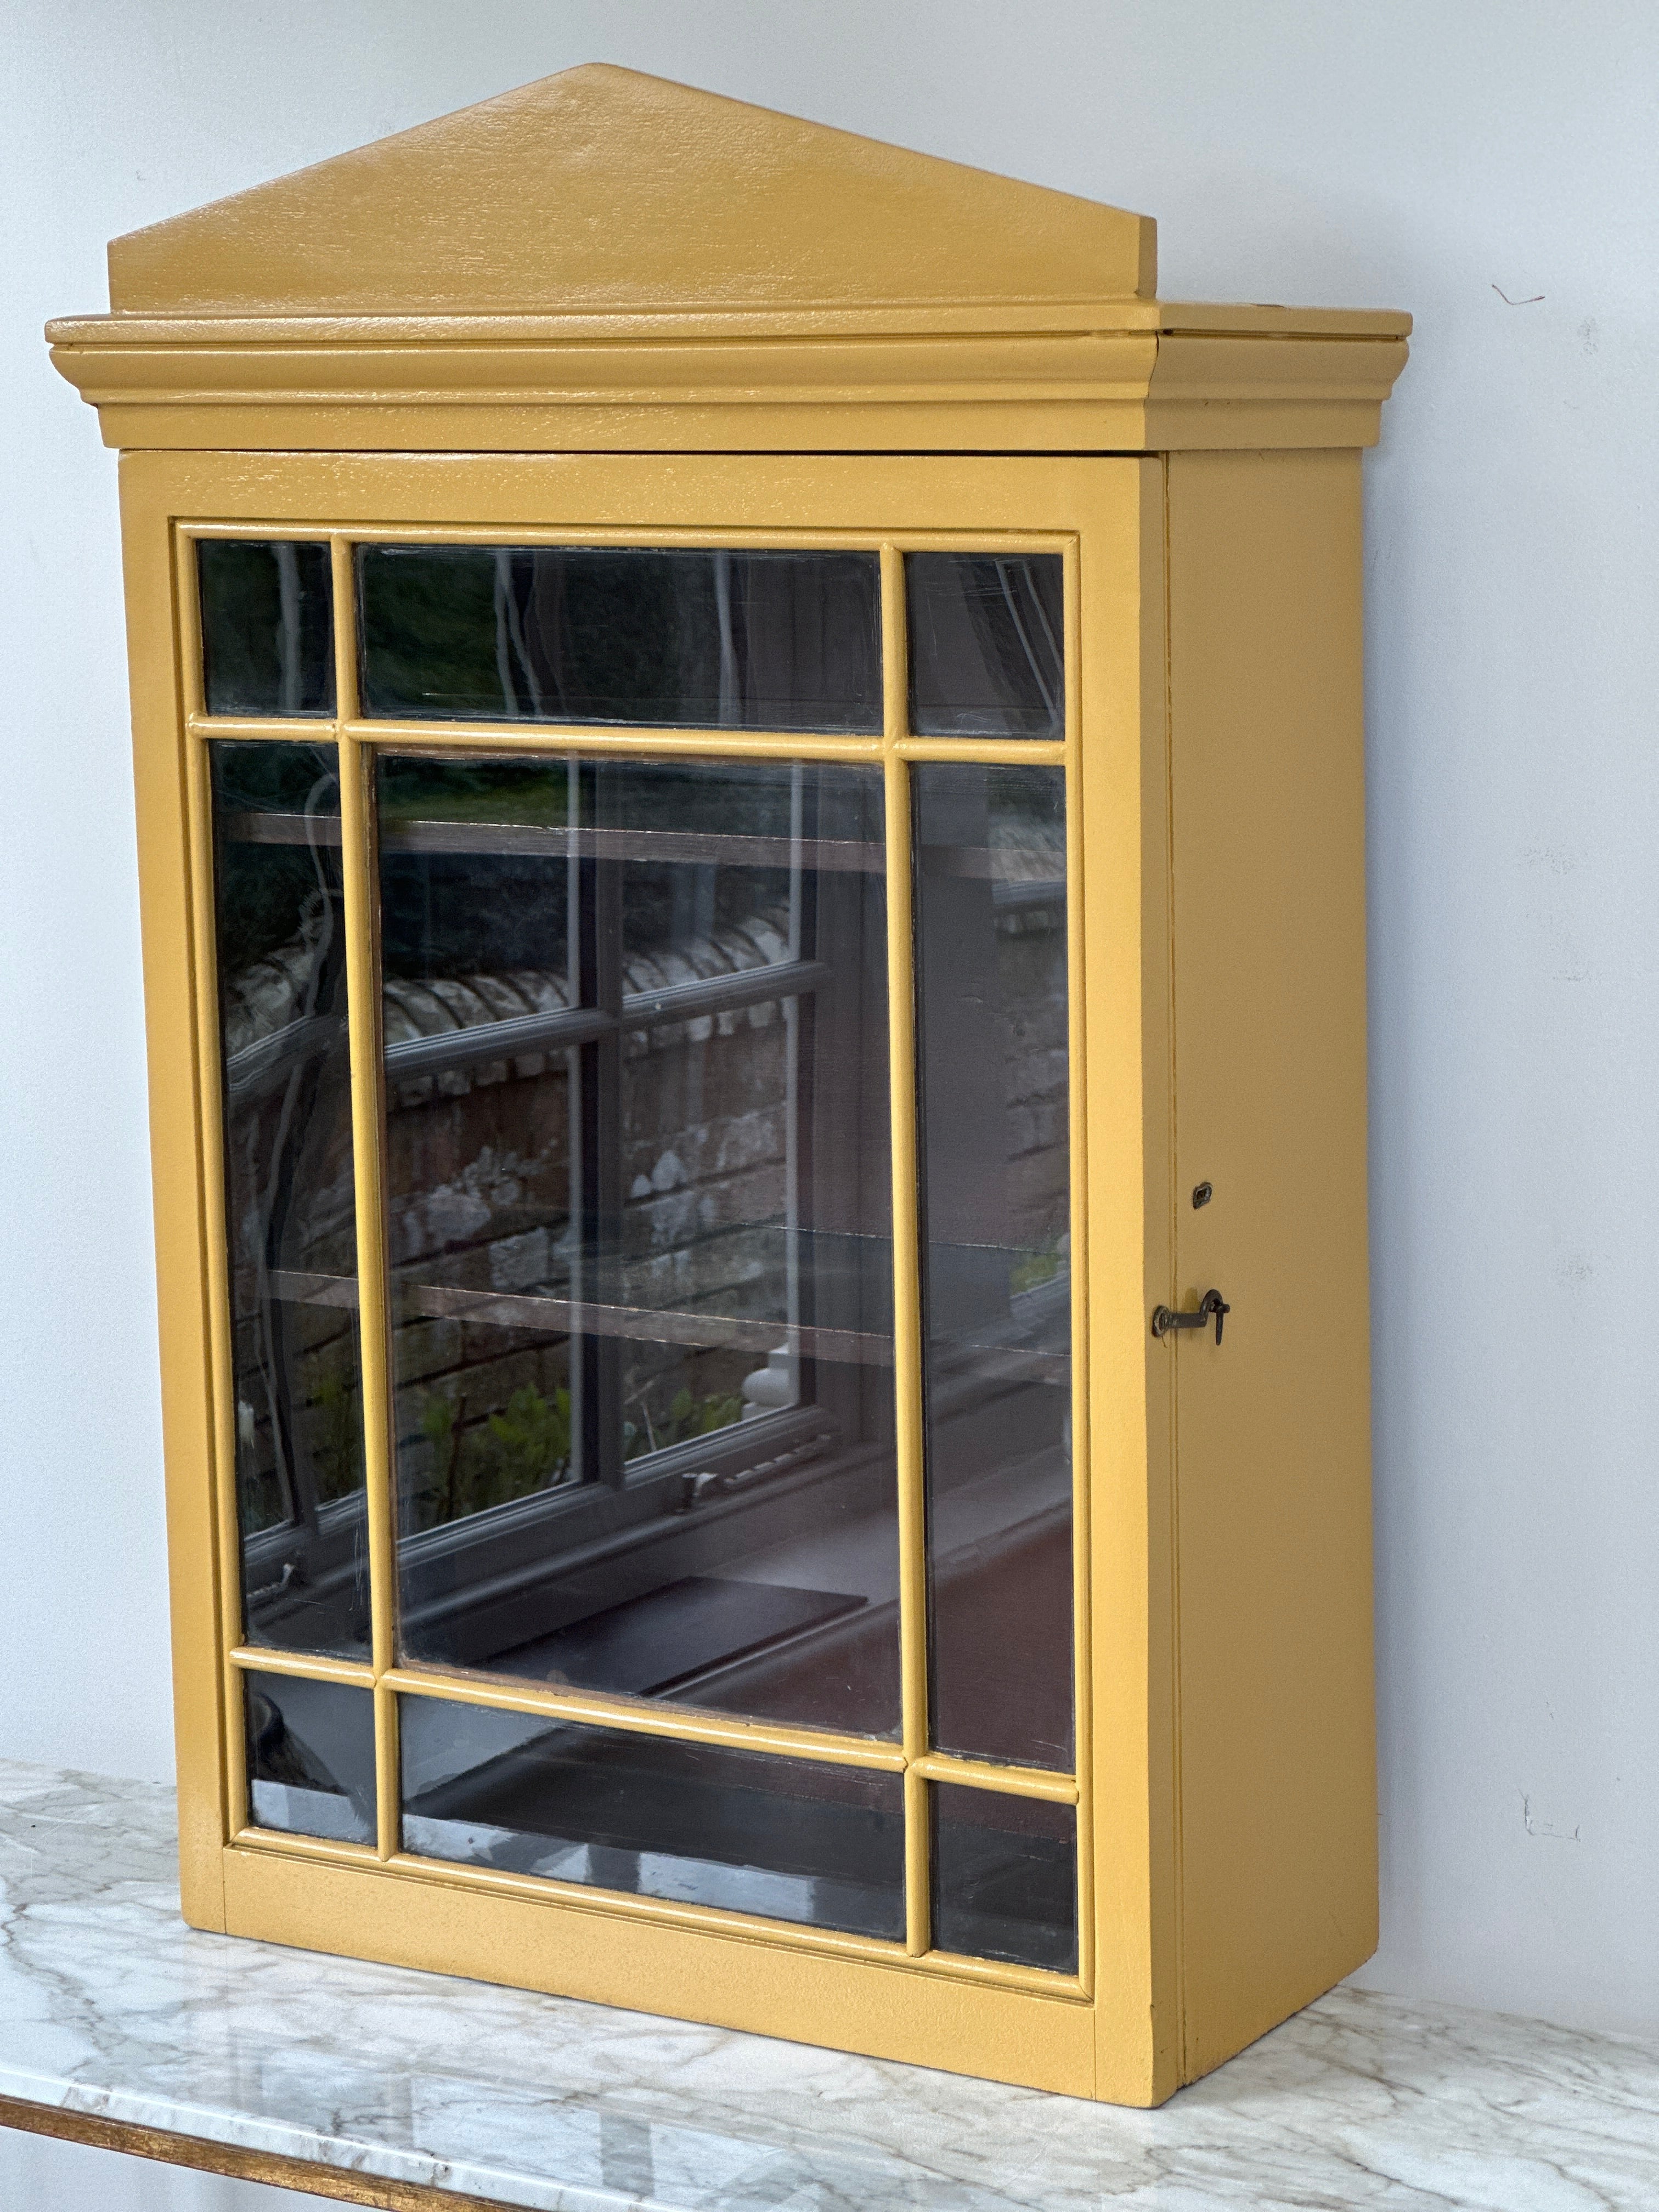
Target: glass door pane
{"x": 674, "y": 638}
{"x": 639, "y": 1195}
{"x": 696, "y": 1823}
{"x": 993, "y": 1062}
{"x": 986, "y": 655}
{"x": 290, "y": 1212}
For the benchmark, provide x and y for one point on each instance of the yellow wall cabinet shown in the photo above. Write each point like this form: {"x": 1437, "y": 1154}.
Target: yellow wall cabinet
{"x": 750, "y": 790}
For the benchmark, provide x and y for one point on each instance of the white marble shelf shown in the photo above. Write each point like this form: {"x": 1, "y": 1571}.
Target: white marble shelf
{"x": 111, "y": 2008}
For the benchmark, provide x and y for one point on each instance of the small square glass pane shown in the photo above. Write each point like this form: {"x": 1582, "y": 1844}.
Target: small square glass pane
{"x": 310, "y": 1758}
{"x": 267, "y": 627}
{"x": 660, "y": 639}
{"x": 699, "y": 1824}
{"x": 1004, "y": 1878}
{"x": 985, "y": 655}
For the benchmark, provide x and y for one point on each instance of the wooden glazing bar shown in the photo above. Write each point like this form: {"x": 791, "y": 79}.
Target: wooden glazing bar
{"x": 1004, "y": 1780}
{"x": 511, "y": 739}
{"x": 307, "y": 1847}
{"x": 306, "y": 1666}
{"x": 388, "y": 1775}
{"x": 357, "y": 872}
{"x": 918, "y": 1865}
{"x": 516, "y": 737}
{"x": 1077, "y": 1003}
{"x": 685, "y": 1723}
{"x": 906, "y": 1255}
{"x": 596, "y": 738}
{"x": 198, "y": 799}
{"x": 248, "y": 729}
{"x": 997, "y": 752}
{"x": 956, "y": 1966}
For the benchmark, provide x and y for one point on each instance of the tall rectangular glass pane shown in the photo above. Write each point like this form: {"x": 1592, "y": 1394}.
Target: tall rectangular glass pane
{"x": 987, "y": 658}
{"x": 290, "y": 1218}
{"x": 675, "y": 638}
{"x": 310, "y": 1758}
{"x": 1004, "y": 1878}
{"x": 992, "y": 1065}
{"x": 267, "y": 627}
{"x": 785, "y": 1838}
{"x": 640, "y": 1227}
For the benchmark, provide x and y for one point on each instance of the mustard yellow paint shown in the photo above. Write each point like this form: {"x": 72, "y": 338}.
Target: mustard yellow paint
{"x": 405, "y": 344}
{"x": 1278, "y": 1795}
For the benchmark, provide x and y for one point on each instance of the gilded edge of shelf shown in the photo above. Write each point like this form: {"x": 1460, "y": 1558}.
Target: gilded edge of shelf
{"x": 202, "y": 2154}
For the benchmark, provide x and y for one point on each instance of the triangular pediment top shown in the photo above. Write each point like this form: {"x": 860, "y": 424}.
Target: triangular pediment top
{"x": 601, "y": 191}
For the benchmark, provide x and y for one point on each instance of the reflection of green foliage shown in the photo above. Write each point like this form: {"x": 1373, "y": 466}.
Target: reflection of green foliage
{"x": 687, "y": 1416}
{"x": 437, "y": 1426}
{"x": 258, "y": 1498}
{"x": 519, "y": 794}
{"x": 606, "y": 633}
{"x": 521, "y": 1450}
{"x": 337, "y": 1454}
{"x": 529, "y": 1442}
{"x": 1035, "y": 1267}
{"x": 428, "y": 619}
{"x": 243, "y": 633}
{"x": 466, "y": 914}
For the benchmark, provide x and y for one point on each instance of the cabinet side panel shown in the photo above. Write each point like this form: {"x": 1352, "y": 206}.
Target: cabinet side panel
{"x": 1277, "y": 1753}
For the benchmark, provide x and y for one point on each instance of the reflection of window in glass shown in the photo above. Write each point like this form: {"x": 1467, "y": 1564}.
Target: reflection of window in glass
{"x": 993, "y": 1062}
{"x": 986, "y": 655}
{"x": 699, "y": 1824}
{"x": 290, "y": 1218}
{"x": 638, "y": 1216}
{"x": 267, "y": 630}
{"x": 622, "y": 634}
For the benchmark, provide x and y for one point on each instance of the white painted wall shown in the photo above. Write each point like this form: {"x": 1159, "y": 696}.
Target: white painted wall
{"x": 1433, "y": 154}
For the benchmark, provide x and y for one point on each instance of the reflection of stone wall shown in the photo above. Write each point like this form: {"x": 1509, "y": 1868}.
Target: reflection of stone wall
{"x": 704, "y": 1158}
{"x": 479, "y": 1181}
{"x": 478, "y": 1170}
{"x": 305, "y": 1111}
{"x": 1031, "y": 963}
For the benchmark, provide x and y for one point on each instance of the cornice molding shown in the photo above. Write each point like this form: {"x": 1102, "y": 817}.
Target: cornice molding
{"x": 547, "y": 384}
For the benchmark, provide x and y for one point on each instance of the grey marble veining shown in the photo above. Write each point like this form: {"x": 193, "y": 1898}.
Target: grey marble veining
{"x": 109, "y": 2004}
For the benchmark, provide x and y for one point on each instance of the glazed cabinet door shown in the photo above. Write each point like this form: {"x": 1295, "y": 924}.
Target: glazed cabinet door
{"x": 647, "y": 1137}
